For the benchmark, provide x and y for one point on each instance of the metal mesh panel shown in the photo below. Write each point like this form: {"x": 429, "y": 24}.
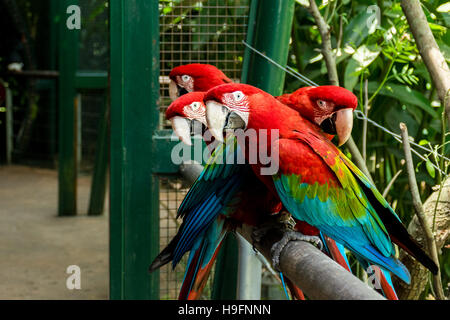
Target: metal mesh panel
{"x": 89, "y": 117}
{"x": 93, "y": 56}
{"x": 194, "y": 32}
{"x": 201, "y": 32}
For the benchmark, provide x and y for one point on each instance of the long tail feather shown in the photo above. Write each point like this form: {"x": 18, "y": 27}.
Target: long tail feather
{"x": 295, "y": 291}
{"x": 336, "y": 251}
{"x": 386, "y": 283}
{"x": 196, "y": 276}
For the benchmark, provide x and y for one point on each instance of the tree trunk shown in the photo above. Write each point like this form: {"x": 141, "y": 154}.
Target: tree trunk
{"x": 420, "y": 275}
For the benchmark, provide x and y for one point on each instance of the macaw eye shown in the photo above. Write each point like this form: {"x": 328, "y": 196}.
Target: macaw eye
{"x": 195, "y": 106}
{"x": 238, "y": 95}
{"x": 185, "y": 78}
{"x": 321, "y": 103}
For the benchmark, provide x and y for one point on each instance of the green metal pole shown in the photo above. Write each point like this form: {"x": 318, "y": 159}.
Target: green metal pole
{"x": 67, "y": 143}
{"x": 53, "y": 45}
{"x": 98, "y": 185}
{"x": 270, "y": 33}
{"x": 134, "y": 190}
{"x": 269, "y": 30}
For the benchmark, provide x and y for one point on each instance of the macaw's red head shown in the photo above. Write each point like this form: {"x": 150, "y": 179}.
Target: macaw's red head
{"x": 330, "y": 107}
{"x": 194, "y": 77}
{"x": 228, "y": 107}
{"x": 185, "y": 112}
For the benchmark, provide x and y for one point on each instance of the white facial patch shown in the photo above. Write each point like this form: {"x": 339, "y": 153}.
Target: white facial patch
{"x": 187, "y": 82}
{"x": 216, "y": 116}
{"x": 196, "y": 111}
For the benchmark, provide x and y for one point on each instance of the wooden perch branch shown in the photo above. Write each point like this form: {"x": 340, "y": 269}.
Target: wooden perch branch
{"x": 311, "y": 270}
{"x": 429, "y": 50}
{"x": 316, "y": 274}
{"x": 417, "y": 202}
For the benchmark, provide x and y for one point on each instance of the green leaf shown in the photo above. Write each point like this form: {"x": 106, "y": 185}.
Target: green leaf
{"x": 358, "y": 29}
{"x": 445, "y": 7}
{"x": 360, "y": 60}
{"x": 405, "y": 95}
{"x": 395, "y": 115}
{"x": 351, "y": 75}
{"x": 365, "y": 55}
{"x": 430, "y": 168}
{"x": 304, "y": 3}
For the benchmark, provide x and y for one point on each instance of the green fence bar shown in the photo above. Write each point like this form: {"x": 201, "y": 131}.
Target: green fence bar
{"x": 269, "y": 33}
{"x": 134, "y": 190}
{"x": 67, "y": 122}
{"x": 99, "y": 176}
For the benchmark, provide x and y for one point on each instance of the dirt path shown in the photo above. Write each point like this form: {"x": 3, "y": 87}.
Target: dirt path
{"x": 36, "y": 246}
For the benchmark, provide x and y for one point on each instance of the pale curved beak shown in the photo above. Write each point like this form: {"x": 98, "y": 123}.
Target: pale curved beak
{"x": 173, "y": 90}
{"x": 182, "y": 128}
{"x": 344, "y": 125}
{"x": 216, "y": 117}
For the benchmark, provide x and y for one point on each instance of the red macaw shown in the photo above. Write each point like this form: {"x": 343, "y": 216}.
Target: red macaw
{"x": 185, "y": 110}
{"x": 201, "y": 77}
{"x": 224, "y": 196}
{"x": 315, "y": 181}
{"x": 194, "y": 77}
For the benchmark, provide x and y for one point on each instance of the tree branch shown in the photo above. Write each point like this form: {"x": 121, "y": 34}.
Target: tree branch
{"x": 312, "y": 271}
{"x": 431, "y": 244}
{"x": 419, "y": 274}
{"x": 330, "y": 61}
{"x": 429, "y": 50}
{"x": 391, "y": 183}
{"x": 327, "y": 51}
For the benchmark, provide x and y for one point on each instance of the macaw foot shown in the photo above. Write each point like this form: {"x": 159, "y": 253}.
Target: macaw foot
{"x": 281, "y": 220}
{"x": 278, "y": 247}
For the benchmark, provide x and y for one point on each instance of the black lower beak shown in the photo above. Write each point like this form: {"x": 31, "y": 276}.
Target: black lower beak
{"x": 328, "y": 125}
{"x": 234, "y": 121}
{"x": 197, "y": 128}
{"x": 181, "y": 91}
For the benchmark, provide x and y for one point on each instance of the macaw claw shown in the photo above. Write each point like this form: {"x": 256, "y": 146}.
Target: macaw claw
{"x": 288, "y": 236}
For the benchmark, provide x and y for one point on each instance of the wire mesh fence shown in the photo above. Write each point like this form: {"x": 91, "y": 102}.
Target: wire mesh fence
{"x": 201, "y": 32}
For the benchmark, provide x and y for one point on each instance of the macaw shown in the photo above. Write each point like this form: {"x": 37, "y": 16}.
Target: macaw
{"x": 224, "y": 196}
{"x": 202, "y": 77}
{"x": 182, "y": 113}
{"x": 194, "y": 77}
{"x": 316, "y": 182}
